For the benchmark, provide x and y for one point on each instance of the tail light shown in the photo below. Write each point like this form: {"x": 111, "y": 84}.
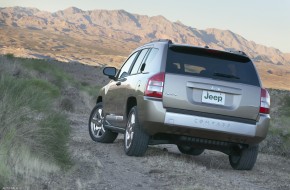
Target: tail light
{"x": 265, "y": 102}
{"x": 154, "y": 87}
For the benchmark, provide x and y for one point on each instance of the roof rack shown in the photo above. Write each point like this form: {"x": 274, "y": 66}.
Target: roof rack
{"x": 238, "y": 52}
{"x": 162, "y": 40}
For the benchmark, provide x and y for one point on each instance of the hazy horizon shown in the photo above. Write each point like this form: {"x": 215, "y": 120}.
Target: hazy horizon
{"x": 264, "y": 22}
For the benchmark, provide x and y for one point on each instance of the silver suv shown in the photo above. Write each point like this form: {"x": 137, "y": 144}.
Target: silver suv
{"x": 195, "y": 97}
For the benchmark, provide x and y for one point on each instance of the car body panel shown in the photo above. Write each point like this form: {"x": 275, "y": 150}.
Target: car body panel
{"x": 156, "y": 119}
{"x": 190, "y": 105}
{"x": 185, "y": 92}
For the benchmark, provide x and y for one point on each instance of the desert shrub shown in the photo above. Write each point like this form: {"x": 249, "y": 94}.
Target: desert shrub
{"x": 278, "y": 139}
{"x": 53, "y": 135}
{"x": 28, "y": 122}
{"x": 58, "y": 76}
{"x": 286, "y": 106}
{"x": 51, "y": 90}
{"x": 10, "y": 55}
{"x": 84, "y": 83}
{"x": 91, "y": 90}
{"x": 67, "y": 105}
{"x": 284, "y": 129}
{"x": 34, "y": 93}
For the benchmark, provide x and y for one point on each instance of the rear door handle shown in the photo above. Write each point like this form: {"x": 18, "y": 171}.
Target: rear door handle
{"x": 118, "y": 83}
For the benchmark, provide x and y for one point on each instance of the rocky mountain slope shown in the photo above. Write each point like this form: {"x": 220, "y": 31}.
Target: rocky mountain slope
{"x": 101, "y": 36}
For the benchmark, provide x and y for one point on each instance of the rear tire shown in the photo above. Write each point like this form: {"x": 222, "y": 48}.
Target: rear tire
{"x": 190, "y": 150}
{"x": 96, "y": 126}
{"x": 135, "y": 139}
{"x": 245, "y": 159}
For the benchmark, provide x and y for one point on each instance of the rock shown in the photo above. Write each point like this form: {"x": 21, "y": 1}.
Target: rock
{"x": 99, "y": 164}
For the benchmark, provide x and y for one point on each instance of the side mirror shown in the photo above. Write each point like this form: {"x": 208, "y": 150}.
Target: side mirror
{"x": 110, "y": 72}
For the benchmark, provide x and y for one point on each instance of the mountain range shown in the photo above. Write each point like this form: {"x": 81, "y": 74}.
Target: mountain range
{"x": 103, "y": 37}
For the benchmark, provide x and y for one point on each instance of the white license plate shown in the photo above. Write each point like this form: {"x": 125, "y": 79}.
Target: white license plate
{"x": 213, "y": 97}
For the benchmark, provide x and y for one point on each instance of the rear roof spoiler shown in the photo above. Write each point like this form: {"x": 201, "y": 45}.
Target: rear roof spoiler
{"x": 206, "y": 47}
{"x": 197, "y": 50}
{"x": 162, "y": 40}
{"x": 238, "y": 52}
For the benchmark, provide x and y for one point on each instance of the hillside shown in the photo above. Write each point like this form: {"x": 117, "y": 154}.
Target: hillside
{"x": 100, "y": 37}
{"x": 45, "y": 99}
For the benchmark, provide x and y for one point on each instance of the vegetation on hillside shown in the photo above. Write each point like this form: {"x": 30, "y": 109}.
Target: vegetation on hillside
{"x": 282, "y": 130}
{"x": 34, "y": 127}
{"x": 36, "y": 97}
{"x": 278, "y": 138}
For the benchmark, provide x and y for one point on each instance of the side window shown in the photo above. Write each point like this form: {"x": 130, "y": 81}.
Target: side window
{"x": 124, "y": 72}
{"x": 150, "y": 58}
{"x": 139, "y": 61}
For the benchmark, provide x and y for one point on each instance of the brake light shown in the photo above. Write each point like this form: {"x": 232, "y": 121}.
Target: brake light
{"x": 154, "y": 87}
{"x": 265, "y": 102}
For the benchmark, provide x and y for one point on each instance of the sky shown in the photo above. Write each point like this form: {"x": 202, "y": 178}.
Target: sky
{"x": 265, "y": 22}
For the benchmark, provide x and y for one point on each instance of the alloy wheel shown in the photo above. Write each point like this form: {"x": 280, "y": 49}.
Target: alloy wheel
{"x": 97, "y": 126}
{"x": 129, "y": 131}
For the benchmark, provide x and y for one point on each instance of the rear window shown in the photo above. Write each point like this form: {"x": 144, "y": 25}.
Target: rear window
{"x": 211, "y": 64}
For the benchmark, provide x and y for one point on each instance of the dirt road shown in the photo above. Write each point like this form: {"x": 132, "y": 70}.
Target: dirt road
{"x": 105, "y": 166}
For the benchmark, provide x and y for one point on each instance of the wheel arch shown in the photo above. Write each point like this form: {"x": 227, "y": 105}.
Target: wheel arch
{"x": 131, "y": 102}
{"x": 99, "y": 99}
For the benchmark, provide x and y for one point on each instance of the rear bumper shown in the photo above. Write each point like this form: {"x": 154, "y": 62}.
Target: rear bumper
{"x": 157, "y": 120}
{"x": 223, "y": 126}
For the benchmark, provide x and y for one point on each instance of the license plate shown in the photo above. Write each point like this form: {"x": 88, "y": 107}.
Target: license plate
{"x": 213, "y": 97}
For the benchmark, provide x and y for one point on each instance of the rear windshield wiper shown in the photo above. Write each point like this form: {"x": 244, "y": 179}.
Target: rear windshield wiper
{"x": 226, "y": 75}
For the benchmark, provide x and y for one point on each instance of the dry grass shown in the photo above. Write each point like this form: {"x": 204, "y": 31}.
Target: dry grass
{"x": 36, "y": 96}
{"x": 278, "y": 139}
{"x": 33, "y": 134}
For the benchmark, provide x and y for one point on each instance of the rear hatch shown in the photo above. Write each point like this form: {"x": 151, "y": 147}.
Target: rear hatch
{"x": 208, "y": 82}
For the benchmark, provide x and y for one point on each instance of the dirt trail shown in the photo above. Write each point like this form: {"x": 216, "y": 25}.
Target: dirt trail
{"x": 105, "y": 166}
